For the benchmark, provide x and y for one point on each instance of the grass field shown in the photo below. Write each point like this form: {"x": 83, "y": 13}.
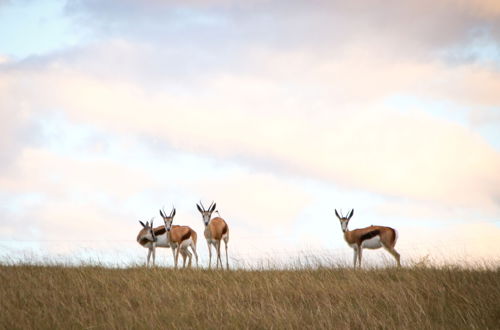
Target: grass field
{"x": 103, "y": 298}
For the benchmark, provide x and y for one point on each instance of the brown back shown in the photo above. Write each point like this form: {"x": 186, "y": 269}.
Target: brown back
{"x": 218, "y": 228}
{"x": 387, "y": 234}
{"x": 180, "y": 233}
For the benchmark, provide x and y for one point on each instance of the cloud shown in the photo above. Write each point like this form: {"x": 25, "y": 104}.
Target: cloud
{"x": 263, "y": 200}
{"x": 294, "y": 89}
{"x": 215, "y": 27}
{"x": 269, "y": 121}
{"x": 71, "y": 230}
{"x": 465, "y": 244}
{"x": 91, "y": 205}
{"x": 42, "y": 171}
{"x": 485, "y": 116}
{"x": 18, "y": 129}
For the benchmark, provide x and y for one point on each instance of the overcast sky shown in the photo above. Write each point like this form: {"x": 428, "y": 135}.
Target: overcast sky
{"x": 280, "y": 111}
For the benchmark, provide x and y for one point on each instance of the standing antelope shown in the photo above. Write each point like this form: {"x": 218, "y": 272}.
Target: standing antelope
{"x": 372, "y": 237}
{"x": 216, "y": 229}
{"x": 180, "y": 238}
{"x": 152, "y": 238}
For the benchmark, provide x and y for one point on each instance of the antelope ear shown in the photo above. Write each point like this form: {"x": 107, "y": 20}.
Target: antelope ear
{"x": 337, "y": 214}
{"x": 213, "y": 207}
{"x": 173, "y": 213}
{"x": 161, "y": 213}
{"x": 350, "y": 215}
{"x": 147, "y": 223}
{"x": 199, "y": 208}
{"x": 142, "y": 223}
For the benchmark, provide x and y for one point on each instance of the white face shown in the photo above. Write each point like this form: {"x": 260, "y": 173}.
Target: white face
{"x": 168, "y": 219}
{"x": 343, "y": 224}
{"x": 168, "y": 223}
{"x": 206, "y": 215}
{"x": 344, "y": 220}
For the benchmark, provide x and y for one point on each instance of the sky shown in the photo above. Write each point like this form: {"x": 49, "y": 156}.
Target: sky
{"x": 279, "y": 111}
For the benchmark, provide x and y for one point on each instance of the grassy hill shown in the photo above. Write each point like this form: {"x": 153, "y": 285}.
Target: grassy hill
{"x": 103, "y": 298}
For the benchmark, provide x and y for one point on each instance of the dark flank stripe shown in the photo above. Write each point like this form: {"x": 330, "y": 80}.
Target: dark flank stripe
{"x": 160, "y": 231}
{"x": 369, "y": 235}
{"x": 186, "y": 235}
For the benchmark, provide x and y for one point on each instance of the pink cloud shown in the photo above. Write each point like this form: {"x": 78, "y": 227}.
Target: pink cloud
{"x": 42, "y": 171}
{"x": 261, "y": 199}
{"x": 462, "y": 244}
{"x": 360, "y": 144}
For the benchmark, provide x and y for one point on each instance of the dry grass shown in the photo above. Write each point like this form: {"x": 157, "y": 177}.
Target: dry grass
{"x": 95, "y": 297}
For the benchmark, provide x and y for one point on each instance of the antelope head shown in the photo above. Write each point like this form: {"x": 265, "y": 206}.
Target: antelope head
{"x": 344, "y": 221}
{"x": 206, "y": 214}
{"x": 168, "y": 219}
{"x": 147, "y": 233}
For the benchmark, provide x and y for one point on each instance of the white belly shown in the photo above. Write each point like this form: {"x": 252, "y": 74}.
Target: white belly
{"x": 186, "y": 243}
{"x": 161, "y": 241}
{"x": 372, "y": 243}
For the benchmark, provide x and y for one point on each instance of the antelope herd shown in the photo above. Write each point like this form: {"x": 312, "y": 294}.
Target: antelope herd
{"x": 182, "y": 238}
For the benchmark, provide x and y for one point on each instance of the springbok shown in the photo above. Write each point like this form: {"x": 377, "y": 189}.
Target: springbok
{"x": 180, "y": 238}
{"x": 152, "y": 238}
{"x": 216, "y": 229}
{"x": 372, "y": 237}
